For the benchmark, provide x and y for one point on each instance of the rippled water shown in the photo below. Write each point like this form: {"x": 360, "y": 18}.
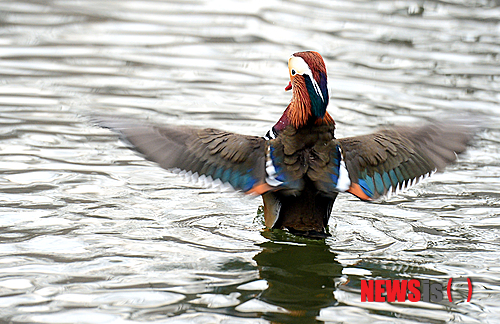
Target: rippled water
{"x": 91, "y": 233}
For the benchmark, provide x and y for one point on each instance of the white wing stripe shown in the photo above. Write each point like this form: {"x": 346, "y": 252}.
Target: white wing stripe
{"x": 343, "y": 182}
{"x": 271, "y": 171}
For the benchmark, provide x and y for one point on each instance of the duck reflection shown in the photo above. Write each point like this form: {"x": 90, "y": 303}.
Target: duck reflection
{"x": 302, "y": 275}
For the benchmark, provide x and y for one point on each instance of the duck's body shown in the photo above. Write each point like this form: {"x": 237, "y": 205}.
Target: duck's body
{"x": 299, "y": 167}
{"x": 299, "y": 158}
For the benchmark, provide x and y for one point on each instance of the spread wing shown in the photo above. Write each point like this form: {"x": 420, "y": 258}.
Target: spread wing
{"x": 395, "y": 158}
{"x": 231, "y": 158}
{"x": 370, "y": 166}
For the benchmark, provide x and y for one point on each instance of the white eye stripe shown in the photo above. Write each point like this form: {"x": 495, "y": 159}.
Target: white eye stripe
{"x": 297, "y": 64}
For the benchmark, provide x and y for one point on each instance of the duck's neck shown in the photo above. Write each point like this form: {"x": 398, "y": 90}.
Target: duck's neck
{"x": 298, "y": 118}
{"x": 308, "y": 105}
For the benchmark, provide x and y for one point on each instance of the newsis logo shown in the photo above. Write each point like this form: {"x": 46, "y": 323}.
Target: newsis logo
{"x": 413, "y": 290}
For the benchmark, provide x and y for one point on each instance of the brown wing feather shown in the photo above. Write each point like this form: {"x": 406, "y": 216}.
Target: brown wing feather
{"x": 233, "y": 158}
{"x": 392, "y": 158}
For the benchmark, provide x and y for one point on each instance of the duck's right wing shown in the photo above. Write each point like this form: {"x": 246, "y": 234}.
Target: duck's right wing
{"x": 395, "y": 158}
{"x": 373, "y": 165}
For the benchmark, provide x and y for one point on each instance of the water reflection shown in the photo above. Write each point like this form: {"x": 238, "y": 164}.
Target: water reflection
{"x": 302, "y": 275}
{"x": 306, "y": 284}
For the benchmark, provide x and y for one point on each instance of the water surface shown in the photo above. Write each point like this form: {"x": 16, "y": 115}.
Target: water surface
{"x": 92, "y": 233}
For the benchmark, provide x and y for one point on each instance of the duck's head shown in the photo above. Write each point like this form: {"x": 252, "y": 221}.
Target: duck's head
{"x": 308, "y": 81}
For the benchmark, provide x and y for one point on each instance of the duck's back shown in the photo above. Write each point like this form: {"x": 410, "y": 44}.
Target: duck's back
{"x": 300, "y": 161}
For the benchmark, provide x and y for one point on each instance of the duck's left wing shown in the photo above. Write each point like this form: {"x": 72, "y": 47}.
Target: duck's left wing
{"x": 238, "y": 160}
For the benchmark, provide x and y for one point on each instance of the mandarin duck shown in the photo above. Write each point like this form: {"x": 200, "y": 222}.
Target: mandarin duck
{"x": 299, "y": 167}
